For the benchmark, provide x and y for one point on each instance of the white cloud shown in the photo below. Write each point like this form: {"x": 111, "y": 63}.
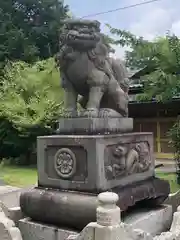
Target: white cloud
{"x": 153, "y": 20}
{"x": 154, "y": 23}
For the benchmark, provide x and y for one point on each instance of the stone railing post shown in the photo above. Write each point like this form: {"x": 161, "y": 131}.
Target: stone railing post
{"x": 108, "y": 225}
{"x": 8, "y": 230}
{"x": 108, "y": 216}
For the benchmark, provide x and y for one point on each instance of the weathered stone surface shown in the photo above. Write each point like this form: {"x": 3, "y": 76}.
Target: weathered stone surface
{"x": 39, "y": 231}
{"x": 9, "y": 233}
{"x": 110, "y": 227}
{"x": 94, "y": 163}
{"x": 68, "y": 208}
{"x": 174, "y": 200}
{"x": 176, "y": 221}
{"x": 9, "y": 202}
{"x": 154, "y": 221}
{"x": 107, "y": 226}
{"x": 14, "y": 213}
{"x": 168, "y": 236}
{"x": 8, "y": 230}
{"x": 87, "y": 126}
{"x": 174, "y": 233}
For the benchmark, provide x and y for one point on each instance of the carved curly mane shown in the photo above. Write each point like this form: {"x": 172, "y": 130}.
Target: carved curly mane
{"x": 99, "y": 56}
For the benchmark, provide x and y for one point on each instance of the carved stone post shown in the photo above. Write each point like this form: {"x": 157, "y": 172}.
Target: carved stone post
{"x": 108, "y": 214}
{"x": 109, "y": 225}
{"x": 108, "y": 217}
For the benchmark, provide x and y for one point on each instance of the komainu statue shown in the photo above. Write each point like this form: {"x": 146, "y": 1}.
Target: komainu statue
{"x": 87, "y": 70}
{"x": 94, "y": 150}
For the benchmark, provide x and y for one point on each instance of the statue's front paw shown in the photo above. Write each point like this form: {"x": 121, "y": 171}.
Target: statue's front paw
{"x": 108, "y": 113}
{"x": 91, "y": 113}
{"x": 70, "y": 113}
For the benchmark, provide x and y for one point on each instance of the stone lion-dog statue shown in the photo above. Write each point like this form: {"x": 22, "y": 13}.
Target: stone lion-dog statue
{"x": 87, "y": 70}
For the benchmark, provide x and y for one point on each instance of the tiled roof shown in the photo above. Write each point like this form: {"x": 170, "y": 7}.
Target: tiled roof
{"x": 131, "y": 72}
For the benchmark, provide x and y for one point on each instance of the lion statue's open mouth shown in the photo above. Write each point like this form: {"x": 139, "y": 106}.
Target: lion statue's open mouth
{"x": 82, "y": 34}
{"x": 79, "y": 39}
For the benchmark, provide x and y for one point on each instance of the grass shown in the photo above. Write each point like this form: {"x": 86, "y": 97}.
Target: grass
{"x": 171, "y": 177}
{"x": 18, "y": 176}
{"x": 26, "y": 176}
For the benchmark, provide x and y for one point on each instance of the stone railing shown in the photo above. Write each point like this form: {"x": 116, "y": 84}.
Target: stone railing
{"x": 110, "y": 227}
{"x": 8, "y": 230}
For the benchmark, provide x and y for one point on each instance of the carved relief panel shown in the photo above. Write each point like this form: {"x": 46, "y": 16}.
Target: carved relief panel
{"x": 127, "y": 159}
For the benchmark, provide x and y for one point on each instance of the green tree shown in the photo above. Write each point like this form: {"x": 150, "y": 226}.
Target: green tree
{"x": 162, "y": 56}
{"x": 29, "y": 29}
{"x": 30, "y": 104}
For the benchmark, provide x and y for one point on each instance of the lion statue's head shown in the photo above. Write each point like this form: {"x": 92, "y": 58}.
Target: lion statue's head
{"x": 81, "y": 34}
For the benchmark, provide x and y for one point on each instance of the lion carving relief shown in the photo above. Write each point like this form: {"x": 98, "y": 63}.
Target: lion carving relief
{"x": 87, "y": 70}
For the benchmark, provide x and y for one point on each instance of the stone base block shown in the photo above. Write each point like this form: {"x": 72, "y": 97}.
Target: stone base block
{"x": 77, "y": 209}
{"x": 95, "y": 125}
{"x": 94, "y": 163}
{"x": 153, "y": 221}
{"x": 37, "y": 231}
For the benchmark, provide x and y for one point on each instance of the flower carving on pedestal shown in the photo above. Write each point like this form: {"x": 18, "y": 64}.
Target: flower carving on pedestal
{"x": 65, "y": 163}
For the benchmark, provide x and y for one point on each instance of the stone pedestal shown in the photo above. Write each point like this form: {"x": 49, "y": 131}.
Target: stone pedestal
{"x": 77, "y": 209}
{"x": 104, "y": 125}
{"x": 74, "y": 169}
{"x": 94, "y": 163}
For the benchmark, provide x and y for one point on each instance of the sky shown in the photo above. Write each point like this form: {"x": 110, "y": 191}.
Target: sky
{"x": 149, "y": 20}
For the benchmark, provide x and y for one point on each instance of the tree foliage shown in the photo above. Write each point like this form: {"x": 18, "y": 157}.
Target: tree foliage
{"x": 174, "y": 134}
{"x": 30, "y": 28}
{"x": 161, "y": 56}
{"x": 30, "y": 103}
